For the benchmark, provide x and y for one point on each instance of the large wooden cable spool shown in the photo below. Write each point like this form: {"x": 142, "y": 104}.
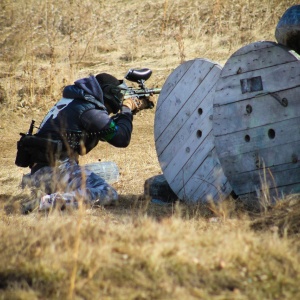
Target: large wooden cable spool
{"x": 183, "y": 133}
{"x": 257, "y": 119}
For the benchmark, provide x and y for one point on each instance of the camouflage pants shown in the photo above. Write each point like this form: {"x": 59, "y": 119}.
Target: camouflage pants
{"x": 71, "y": 182}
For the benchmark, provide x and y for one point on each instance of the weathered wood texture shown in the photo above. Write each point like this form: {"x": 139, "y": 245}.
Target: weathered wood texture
{"x": 256, "y": 119}
{"x": 183, "y": 133}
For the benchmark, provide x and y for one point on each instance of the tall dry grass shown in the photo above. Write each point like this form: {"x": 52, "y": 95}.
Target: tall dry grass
{"x": 136, "y": 249}
{"x": 47, "y": 44}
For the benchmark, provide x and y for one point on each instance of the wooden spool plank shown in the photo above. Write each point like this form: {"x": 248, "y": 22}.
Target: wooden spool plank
{"x": 273, "y": 195}
{"x": 251, "y": 47}
{"x": 183, "y": 134}
{"x": 249, "y": 165}
{"x": 271, "y": 136}
{"x": 182, "y": 126}
{"x": 257, "y": 116}
{"x": 269, "y": 80}
{"x": 219, "y": 190}
{"x": 166, "y": 111}
{"x": 198, "y": 184}
{"x": 270, "y": 53}
{"x": 243, "y": 109}
{"x": 185, "y": 151}
{"x": 241, "y": 164}
{"x": 191, "y": 155}
{"x": 172, "y": 81}
{"x": 277, "y": 178}
{"x": 285, "y": 190}
{"x": 248, "y": 161}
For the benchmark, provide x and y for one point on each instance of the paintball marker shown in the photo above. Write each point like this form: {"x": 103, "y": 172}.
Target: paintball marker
{"x": 139, "y": 76}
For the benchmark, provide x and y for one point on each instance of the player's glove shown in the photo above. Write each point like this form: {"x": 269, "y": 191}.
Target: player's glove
{"x": 138, "y": 104}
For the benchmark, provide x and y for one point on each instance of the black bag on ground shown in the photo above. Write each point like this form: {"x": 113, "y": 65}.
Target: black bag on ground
{"x": 32, "y": 149}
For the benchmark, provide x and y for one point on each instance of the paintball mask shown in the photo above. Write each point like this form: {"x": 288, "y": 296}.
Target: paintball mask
{"x": 113, "y": 90}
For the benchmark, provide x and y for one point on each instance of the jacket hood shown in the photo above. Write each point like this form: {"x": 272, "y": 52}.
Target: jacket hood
{"x": 87, "y": 89}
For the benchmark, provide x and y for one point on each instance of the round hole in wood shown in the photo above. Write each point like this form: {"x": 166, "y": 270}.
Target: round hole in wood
{"x": 271, "y": 133}
{"x": 199, "y": 133}
{"x": 200, "y": 111}
{"x": 247, "y": 138}
{"x": 249, "y": 109}
{"x": 285, "y": 102}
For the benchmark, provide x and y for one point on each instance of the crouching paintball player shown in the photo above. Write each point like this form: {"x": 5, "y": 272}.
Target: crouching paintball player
{"x": 93, "y": 109}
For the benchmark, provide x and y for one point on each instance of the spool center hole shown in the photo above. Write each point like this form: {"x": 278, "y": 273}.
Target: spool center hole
{"x": 249, "y": 109}
{"x": 271, "y": 133}
{"x": 199, "y": 133}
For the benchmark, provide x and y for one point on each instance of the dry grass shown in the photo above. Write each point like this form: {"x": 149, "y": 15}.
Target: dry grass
{"x": 135, "y": 250}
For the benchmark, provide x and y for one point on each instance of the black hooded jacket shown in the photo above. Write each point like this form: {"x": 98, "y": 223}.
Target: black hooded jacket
{"x": 80, "y": 117}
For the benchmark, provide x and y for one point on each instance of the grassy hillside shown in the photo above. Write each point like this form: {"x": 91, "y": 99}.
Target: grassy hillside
{"x": 136, "y": 249}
